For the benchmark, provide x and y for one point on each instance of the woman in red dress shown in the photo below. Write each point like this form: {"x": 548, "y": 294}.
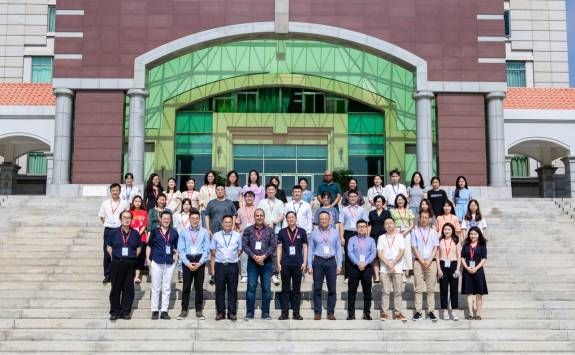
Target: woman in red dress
{"x": 139, "y": 223}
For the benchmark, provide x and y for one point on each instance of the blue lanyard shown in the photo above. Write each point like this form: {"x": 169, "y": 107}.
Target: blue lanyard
{"x": 227, "y": 244}
{"x": 127, "y": 194}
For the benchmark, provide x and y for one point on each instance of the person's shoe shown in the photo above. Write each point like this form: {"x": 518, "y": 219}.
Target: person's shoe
{"x": 366, "y": 317}
{"x": 417, "y": 316}
{"x": 244, "y": 279}
{"x": 165, "y": 316}
{"x": 126, "y": 316}
{"x": 383, "y": 316}
{"x": 212, "y": 280}
{"x": 114, "y": 317}
{"x": 275, "y": 280}
{"x": 200, "y": 315}
{"x": 454, "y": 315}
{"x": 266, "y": 317}
{"x": 105, "y": 280}
{"x": 477, "y": 317}
{"x": 232, "y": 317}
{"x": 155, "y": 315}
{"x": 249, "y": 316}
{"x": 180, "y": 277}
{"x": 317, "y": 316}
{"x": 376, "y": 281}
{"x": 399, "y": 316}
{"x": 349, "y": 317}
{"x": 183, "y": 315}
{"x": 283, "y": 316}
{"x": 431, "y": 316}
{"x": 220, "y": 316}
{"x": 331, "y": 316}
{"x": 297, "y": 316}
{"x": 446, "y": 314}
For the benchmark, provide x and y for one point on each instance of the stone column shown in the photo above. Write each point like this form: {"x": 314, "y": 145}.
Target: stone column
{"x": 546, "y": 181}
{"x": 136, "y": 132}
{"x": 424, "y": 133}
{"x": 569, "y": 163}
{"x": 508, "y": 170}
{"x": 49, "y": 167}
{"x": 8, "y": 175}
{"x": 62, "y": 136}
{"x": 496, "y": 138}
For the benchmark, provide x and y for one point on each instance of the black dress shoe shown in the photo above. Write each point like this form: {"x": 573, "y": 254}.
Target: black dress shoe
{"x": 113, "y": 317}
{"x": 366, "y": 317}
{"x": 232, "y": 317}
{"x": 126, "y": 316}
{"x": 297, "y": 316}
{"x": 350, "y": 317}
{"x": 155, "y": 315}
{"x": 220, "y": 316}
{"x": 105, "y": 280}
{"x": 165, "y": 316}
{"x": 283, "y": 317}
{"x": 212, "y": 280}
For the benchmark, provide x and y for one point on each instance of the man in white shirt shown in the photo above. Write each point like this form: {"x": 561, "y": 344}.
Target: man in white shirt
{"x": 274, "y": 215}
{"x": 393, "y": 189}
{"x": 390, "y": 251}
{"x": 109, "y": 213}
{"x": 302, "y": 210}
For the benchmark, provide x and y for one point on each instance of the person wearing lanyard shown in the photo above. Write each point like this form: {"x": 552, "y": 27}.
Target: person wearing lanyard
{"x": 394, "y": 188}
{"x": 152, "y": 191}
{"x": 154, "y": 214}
{"x": 259, "y": 242}
{"x": 403, "y": 218}
{"x": 129, "y": 191}
{"x": 109, "y": 214}
{"x": 274, "y": 216}
{"x": 207, "y": 193}
{"x": 226, "y": 247}
{"x": 448, "y": 266}
{"x": 161, "y": 255}
{"x": 324, "y": 260}
{"x": 375, "y": 190}
{"x": 123, "y": 247}
{"x": 194, "y": 251}
{"x": 330, "y": 186}
{"x": 291, "y": 262}
{"x": 191, "y": 193}
{"x": 377, "y": 219}
{"x": 473, "y": 283}
{"x": 244, "y": 220}
{"x": 390, "y": 251}
{"x": 361, "y": 252}
{"x": 348, "y": 218}
{"x": 182, "y": 222}
{"x": 424, "y": 244}
{"x": 301, "y": 208}
{"x": 253, "y": 184}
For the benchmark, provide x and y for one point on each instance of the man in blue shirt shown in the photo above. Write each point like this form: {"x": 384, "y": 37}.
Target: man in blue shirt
{"x": 291, "y": 263}
{"x": 361, "y": 251}
{"x": 259, "y": 243}
{"x": 161, "y": 255}
{"x": 123, "y": 247}
{"x": 194, "y": 250}
{"x": 226, "y": 247}
{"x": 328, "y": 185}
{"x": 348, "y": 218}
{"x": 324, "y": 260}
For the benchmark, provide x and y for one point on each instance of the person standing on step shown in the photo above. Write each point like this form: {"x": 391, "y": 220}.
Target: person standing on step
{"x": 291, "y": 263}
{"x": 301, "y": 208}
{"x": 474, "y": 218}
{"x": 404, "y": 222}
{"x": 377, "y": 218}
{"x": 123, "y": 247}
{"x": 376, "y": 190}
{"x": 348, "y": 218}
{"x": 191, "y": 193}
{"x": 109, "y": 215}
{"x": 448, "y": 266}
{"x": 207, "y": 193}
{"x": 152, "y": 191}
{"x": 306, "y": 194}
{"x": 461, "y": 197}
{"x": 255, "y": 187}
{"x": 436, "y": 196}
{"x": 394, "y": 188}
{"x": 280, "y": 193}
{"x": 244, "y": 220}
{"x": 416, "y": 192}
{"x": 352, "y": 186}
{"x": 233, "y": 189}
{"x": 154, "y": 220}
{"x": 324, "y": 261}
{"x": 259, "y": 242}
{"x": 129, "y": 191}
{"x": 424, "y": 244}
{"x": 182, "y": 222}
{"x": 162, "y": 256}
{"x": 194, "y": 251}
{"x": 448, "y": 216}
{"x": 473, "y": 283}
{"x": 330, "y": 186}
{"x": 140, "y": 223}
{"x": 226, "y": 247}
{"x": 274, "y": 210}
{"x": 361, "y": 252}
{"x": 173, "y": 197}
{"x": 390, "y": 252}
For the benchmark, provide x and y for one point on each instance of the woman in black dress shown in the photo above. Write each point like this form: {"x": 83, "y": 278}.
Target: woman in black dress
{"x": 152, "y": 191}
{"x": 473, "y": 257}
{"x": 376, "y": 218}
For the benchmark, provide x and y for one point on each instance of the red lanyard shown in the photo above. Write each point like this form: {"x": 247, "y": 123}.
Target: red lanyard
{"x": 250, "y": 215}
{"x": 292, "y": 238}
{"x": 472, "y": 251}
{"x": 392, "y": 241}
{"x": 125, "y": 237}
{"x": 426, "y": 237}
{"x": 404, "y": 214}
{"x": 114, "y": 209}
{"x": 194, "y": 239}
{"x": 259, "y": 235}
{"x": 352, "y": 212}
{"x": 166, "y": 239}
{"x": 185, "y": 221}
{"x": 271, "y": 206}
{"x": 155, "y": 192}
{"x": 361, "y": 242}
{"x": 325, "y": 239}
{"x": 447, "y": 250}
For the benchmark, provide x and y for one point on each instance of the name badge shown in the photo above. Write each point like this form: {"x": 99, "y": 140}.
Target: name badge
{"x": 472, "y": 263}
{"x": 326, "y": 250}
{"x": 258, "y": 245}
{"x": 193, "y": 251}
{"x": 168, "y": 250}
{"x": 124, "y": 251}
{"x": 447, "y": 263}
{"x": 227, "y": 252}
{"x": 291, "y": 250}
{"x": 362, "y": 258}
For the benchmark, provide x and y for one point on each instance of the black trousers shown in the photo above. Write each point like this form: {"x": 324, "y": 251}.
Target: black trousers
{"x": 197, "y": 278}
{"x": 122, "y": 292}
{"x": 107, "y": 258}
{"x": 448, "y": 284}
{"x": 324, "y": 268}
{"x": 226, "y": 276}
{"x": 347, "y": 235}
{"x": 291, "y": 283}
{"x": 355, "y": 277}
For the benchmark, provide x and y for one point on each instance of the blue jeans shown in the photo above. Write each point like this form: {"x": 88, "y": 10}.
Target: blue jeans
{"x": 264, "y": 273}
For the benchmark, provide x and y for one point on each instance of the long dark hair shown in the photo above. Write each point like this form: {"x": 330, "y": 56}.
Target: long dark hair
{"x": 430, "y": 209}
{"x": 421, "y": 183}
{"x": 457, "y": 185}
{"x": 448, "y": 202}
{"x": 468, "y": 215}
{"x": 249, "y": 182}
{"x": 277, "y": 178}
{"x": 150, "y": 185}
{"x": 175, "y": 185}
{"x": 453, "y": 235}
{"x": 237, "y": 183}
{"x": 356, "y": 184}
{"x": 184, "y": 202}
{"x": 481, "y": 240}
{"x": 402, "y": 196}
{"x": 206, "y": 177}
{"x": 142, "y": 206}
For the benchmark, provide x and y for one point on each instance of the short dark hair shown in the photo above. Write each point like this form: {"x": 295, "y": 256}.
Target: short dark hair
{"x": 271, "y": 185}
{"x": 249, "y": 193}
{"x": 194, "y": 211}
{"x": 126, "y": 211}
{"x": 219, "y": 184}
{"x": 161, "y": 194}
{"x": 352, "y": 192}
{"x": 393, "y": 172}
{"x": 114, "y": 185}
{"x": 379, "y": 197}
{"x": 128, "y": 175}
{"x": 436, "y": 178}
{"x": 323, "y": 212}
{"x": 361, "y": 221}
{"x": 388, "y": 217}
{"x": 227, "y": 216}
{"x": 291, "y": 212}
{"x": 296, "y": 187}
{"x": 163, "y": 213}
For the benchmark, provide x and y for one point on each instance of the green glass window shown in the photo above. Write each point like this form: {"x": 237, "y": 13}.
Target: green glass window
{"x": 507, "y": 20}
{"x": 520, "y": 166}
{"x": 366, "y": 143}
{"x": 247, "y": 101}
{"x": 51, "y": 18}
{"x": 194, "y": 122}
{"x": 516, "y": 74}
{"x": 42, "y": 69}
{"x": 37, "y": 163}
{"x": 193, "y": 144}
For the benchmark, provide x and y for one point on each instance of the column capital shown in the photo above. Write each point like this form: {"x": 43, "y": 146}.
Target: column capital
{"x": 423, "y": 95}
{"x": 137, "y": 92}
{"x": 63, "y": 92}
{"x": 495, "y": 95}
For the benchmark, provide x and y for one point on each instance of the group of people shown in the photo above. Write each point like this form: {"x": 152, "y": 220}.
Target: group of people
{"x": 253, "y": 233}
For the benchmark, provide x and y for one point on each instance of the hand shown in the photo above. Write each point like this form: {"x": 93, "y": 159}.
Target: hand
{"x": 361, "y": 266}
{"x": 213, "y": 270}
{"x": 342, "y": 242}
{"x": 439, "y": 274}
{"x": 149, "y": 262}
{"x": 309, "y": 270}
{"x": 337, "y": 270}
{"x": 190, "y": 266}
{"x": 302, "y": 267}
{"x": 279, "y": 267}
{"x": 472, "y": 270}
{"x": 456, "y": 274}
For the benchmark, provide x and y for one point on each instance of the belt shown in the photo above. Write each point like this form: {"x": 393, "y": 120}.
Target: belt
{"x": 125, "y": 259}
{"x": 227, "y": 263}
{"x": 323, "y": 258}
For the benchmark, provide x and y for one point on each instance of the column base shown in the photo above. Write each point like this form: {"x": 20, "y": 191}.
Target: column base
{"x": 546, "y": 181}
{"x": 8, "y": 174}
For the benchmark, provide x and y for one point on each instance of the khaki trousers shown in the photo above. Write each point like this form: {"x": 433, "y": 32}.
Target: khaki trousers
{"x": 389, "y": 280}
{"x": 428, "y": 279}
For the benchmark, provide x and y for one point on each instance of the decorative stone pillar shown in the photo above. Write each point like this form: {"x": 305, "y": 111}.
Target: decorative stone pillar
{"x": 569, "y": 163}
{"x": 508, "y": 170}
{"x": 496, "y": 139}
{"x": 546, "y": 181}
{"x": 8, "y": 175}
{"x": 424, "y": 133}
{"x": 62, "y": 136}
{"x": 136, "y": 132}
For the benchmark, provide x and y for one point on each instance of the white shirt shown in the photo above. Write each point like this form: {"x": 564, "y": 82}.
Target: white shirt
{"x": 173, "y": 200}
{"x": 181, "y": 221}
{"x": 374, "y": 191}
{"x": 397, "y": 244}
{"x": 110, "y": 210}
{"x": 390, "y": 192}
{"x": 465, "y": 224}
{"x": 128, "y": 193}
{"x": 272, "y": 209}
{"x": 303, "y": 212}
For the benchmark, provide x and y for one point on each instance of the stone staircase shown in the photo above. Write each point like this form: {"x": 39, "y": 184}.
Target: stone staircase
{"x": 52, "y": 299}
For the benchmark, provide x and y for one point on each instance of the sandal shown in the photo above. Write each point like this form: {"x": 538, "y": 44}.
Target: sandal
{"x": 137, "y": 280}
{"x": 470, "y": 318}
{"x": 478, "y": 318}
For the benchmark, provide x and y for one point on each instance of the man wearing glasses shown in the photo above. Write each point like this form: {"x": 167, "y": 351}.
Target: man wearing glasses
{"x": 328, "y": 185}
